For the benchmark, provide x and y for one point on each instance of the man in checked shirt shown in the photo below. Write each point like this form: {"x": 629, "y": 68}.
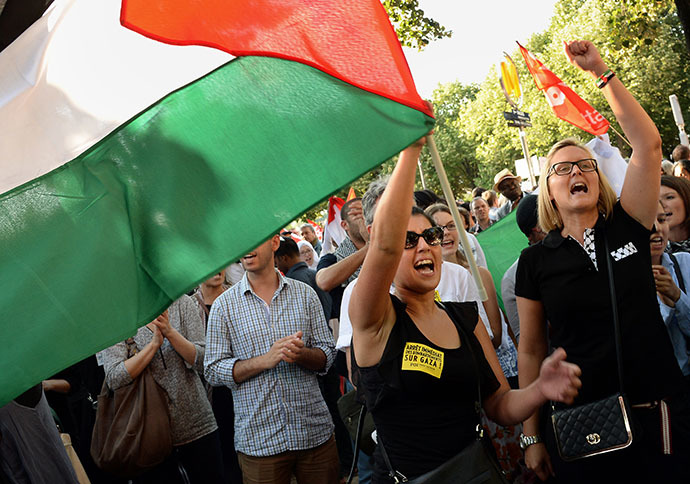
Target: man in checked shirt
{"x": 267, "y": 340}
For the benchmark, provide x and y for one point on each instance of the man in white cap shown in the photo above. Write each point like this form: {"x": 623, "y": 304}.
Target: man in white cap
{"x": 509, "y": 186}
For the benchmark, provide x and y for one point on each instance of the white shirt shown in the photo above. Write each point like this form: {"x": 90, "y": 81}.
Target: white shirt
{"x": 456, "y": 285}
{"x": 509, "y": 302}
{"x": 476, "y": 251}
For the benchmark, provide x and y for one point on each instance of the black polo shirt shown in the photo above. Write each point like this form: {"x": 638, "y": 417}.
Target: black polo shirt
{"x": 577, "y": 302}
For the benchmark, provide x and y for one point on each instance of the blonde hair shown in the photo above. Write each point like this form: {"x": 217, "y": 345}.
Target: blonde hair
{"x": 549, "y": 218}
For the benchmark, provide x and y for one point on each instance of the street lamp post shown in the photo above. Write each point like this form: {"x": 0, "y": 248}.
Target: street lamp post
{"x": 510, "y": 83}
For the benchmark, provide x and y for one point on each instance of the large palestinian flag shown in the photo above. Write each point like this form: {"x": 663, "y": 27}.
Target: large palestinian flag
{"x": 133, "y": 165}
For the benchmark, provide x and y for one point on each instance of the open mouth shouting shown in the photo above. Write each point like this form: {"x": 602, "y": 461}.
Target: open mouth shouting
{"x": 578, "y": 187}
{"x": 424, "y": 266}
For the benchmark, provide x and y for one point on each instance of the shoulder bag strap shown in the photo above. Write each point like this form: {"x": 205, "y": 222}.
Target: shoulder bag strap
{"x": 465, "y": 340}
{"x": 614, "y": 310}
{"x": 397, "y": 476}
{"x": 358, "y": 441}
{"x": 131, "y": 347}
{"x": 202, "y": 304}
{"x": 679, "y": 275}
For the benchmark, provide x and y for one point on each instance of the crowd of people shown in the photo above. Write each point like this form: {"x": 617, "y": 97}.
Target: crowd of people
{"x": 255, "y": 360}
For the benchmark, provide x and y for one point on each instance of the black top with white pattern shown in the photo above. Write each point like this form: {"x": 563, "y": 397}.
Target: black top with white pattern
{"x": 578, "y": 307}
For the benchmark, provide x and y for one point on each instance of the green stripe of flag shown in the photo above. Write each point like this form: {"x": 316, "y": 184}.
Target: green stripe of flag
{"x": 502, "y": 244}
{"x": 184, "y": 188}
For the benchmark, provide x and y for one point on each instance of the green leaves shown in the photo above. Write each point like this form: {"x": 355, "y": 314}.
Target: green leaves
{"x": 641, "y": 40}
{"x": 414, "y": 29}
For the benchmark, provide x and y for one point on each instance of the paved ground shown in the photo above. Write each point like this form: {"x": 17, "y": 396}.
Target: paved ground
{"x": 355, "y": 480}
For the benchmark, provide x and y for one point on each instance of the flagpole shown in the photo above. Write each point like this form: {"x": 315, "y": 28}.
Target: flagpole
{"x": 448, "y": 193}
{"x": 525, "y": 151}
{"x": 620, "y": 135}
{"x": 421, "y": 174}
{"x": 511, "y": 84}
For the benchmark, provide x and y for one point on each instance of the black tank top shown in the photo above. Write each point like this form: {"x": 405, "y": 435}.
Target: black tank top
{"x": 422, "y": 396}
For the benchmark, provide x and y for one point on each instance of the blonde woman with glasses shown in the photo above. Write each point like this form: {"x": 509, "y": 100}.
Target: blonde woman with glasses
{"x": 564, "y": 280}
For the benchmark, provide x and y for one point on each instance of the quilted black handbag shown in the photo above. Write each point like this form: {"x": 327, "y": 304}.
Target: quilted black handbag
{"x": 476, "y": 464}
{"x": 601, "y": 426}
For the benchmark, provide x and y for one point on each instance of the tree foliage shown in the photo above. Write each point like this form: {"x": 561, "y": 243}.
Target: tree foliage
{"x": 414, "y": 29}
{"x": 641, "y": 40}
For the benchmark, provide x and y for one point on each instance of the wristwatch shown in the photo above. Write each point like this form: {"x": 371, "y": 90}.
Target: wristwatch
{"x": 527, "y": 440}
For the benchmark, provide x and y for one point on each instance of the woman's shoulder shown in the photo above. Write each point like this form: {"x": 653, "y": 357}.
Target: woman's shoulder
{"x": 184, "y": 304}
{"x": 533, "y": 251}
{"x": 183, "y": 301}
{"x": 622, "y": 220}
{"x": 463, "y": 313}
{"x": 184, "y": 311}
{"x": 682, "y": 258}
{"x": 398, "y": 304}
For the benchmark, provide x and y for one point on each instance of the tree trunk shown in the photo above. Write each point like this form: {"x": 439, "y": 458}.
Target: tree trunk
{"x": 683, "y": 7}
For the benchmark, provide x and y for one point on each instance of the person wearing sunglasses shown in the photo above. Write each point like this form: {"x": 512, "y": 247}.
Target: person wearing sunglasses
{"x": 415, "y": 368}
{"x": 564, "y": 279}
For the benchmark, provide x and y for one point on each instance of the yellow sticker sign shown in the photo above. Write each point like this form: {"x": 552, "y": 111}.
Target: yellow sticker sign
{"x": 419, "y": 357}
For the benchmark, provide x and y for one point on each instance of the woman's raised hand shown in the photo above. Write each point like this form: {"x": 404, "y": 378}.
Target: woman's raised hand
{"x": 559, "y": 380}
{"x": 584, "y": 55}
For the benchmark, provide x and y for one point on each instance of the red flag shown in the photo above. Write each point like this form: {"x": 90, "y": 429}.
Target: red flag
{"x": 317, "y": 229}
{"x": 564, "y": 101}
{"x": 333, "y": 234}
{"x": 351, "y": 194}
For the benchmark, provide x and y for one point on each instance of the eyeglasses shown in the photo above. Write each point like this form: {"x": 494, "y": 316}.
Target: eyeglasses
{"x": 565, "y": 167}
{"x": 432, "y": 236}
{"x": 451, "y": 227}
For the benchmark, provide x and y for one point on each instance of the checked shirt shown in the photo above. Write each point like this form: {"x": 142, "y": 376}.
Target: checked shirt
{"x": 282, "y": 408}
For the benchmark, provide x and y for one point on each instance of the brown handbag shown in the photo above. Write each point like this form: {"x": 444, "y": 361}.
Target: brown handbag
{"x": 132, "y": 431}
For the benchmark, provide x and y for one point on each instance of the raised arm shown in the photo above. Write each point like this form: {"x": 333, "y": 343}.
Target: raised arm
{"x": 640, "y": 190}
{"x": 370, "y": 305}
{"x": 333, "y": 276}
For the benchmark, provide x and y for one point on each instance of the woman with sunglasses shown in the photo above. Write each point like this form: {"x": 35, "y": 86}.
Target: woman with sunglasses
{"x": 564, "y": 280}
{"x": 416, "y": 369}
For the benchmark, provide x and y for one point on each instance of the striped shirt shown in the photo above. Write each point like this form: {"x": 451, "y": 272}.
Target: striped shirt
{"x": 282, "y": 408}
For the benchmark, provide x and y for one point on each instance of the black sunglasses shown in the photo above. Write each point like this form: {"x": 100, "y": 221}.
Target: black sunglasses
{"x": 432, "y": 236}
